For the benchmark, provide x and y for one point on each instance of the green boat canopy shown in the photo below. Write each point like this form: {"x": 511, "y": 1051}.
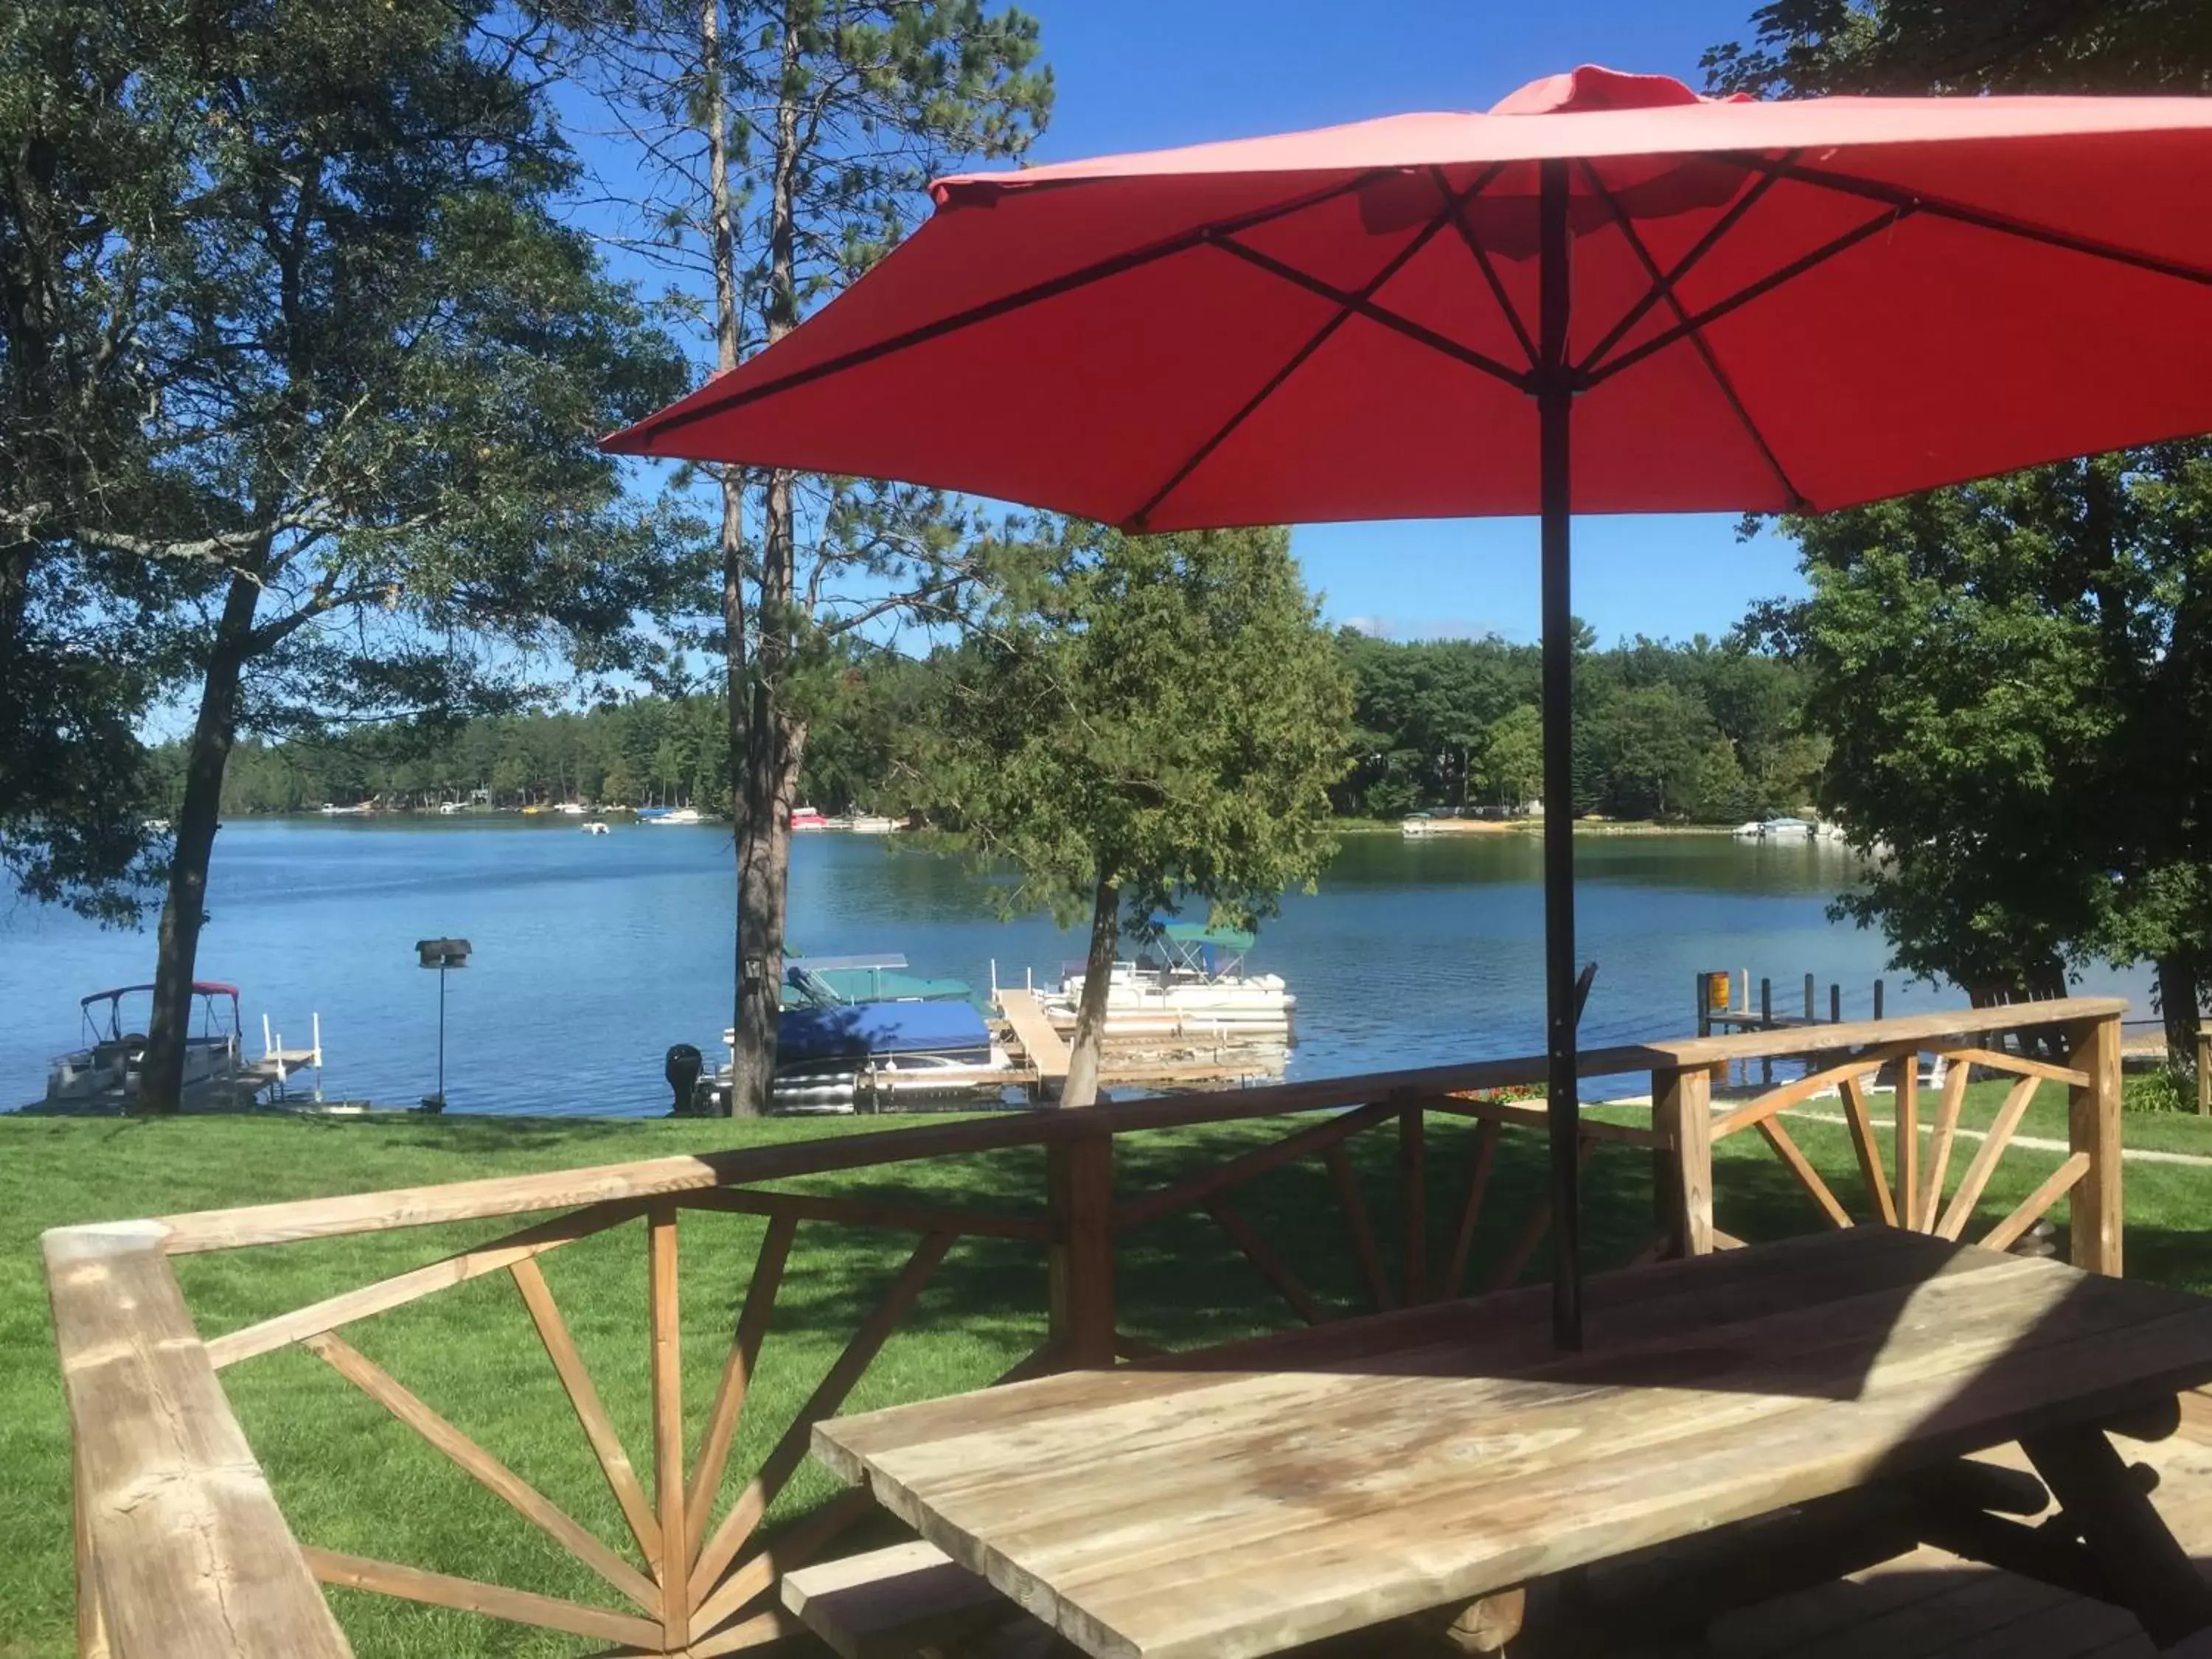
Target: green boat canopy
{"x": 1199, "y": 932}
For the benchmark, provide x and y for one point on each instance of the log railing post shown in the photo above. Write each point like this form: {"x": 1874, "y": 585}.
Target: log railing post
{"x": 1413, "y": 1202}
{"x": 2203, "y": 1072}
{"x": 178, "y": 1532}
{"x": 671, "y": 1567}
{"x": 1079, "y": 1178}
{"x": 1682, "y": 1170}
{"x": 2094, "y": 1127}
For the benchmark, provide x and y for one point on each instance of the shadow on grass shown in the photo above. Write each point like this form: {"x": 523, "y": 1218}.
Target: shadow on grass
{"x": 1183, "y": 1280}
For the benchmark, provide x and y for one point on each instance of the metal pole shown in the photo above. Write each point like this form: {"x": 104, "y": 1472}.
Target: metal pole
{"x": 442, "y": 1034}
{"x": 1554, "y": 409}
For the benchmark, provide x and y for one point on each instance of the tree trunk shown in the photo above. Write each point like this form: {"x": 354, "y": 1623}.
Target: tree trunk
{"x": 776, "y": 745}
{"x": 1081, "y": 1088}
{"x": 764, "y": 775}
{"x": 2178, "y": 1005}
{"x": 14, "y": 601}
{"x": 160, "y": 1078}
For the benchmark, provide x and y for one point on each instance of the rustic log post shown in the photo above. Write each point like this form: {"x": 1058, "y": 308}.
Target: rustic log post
{"x": 671, "y": 1565}
{"x": 1413, "y": 1202}
{"x": 1682, "y": 1171}
{"x": 1080, "y": 1176}
{"x": 188, "y": 1551}
{"x": 2094, "y": 1208}
{"x": 1488, "y": 1625}
{"x": 1906, "y": 1102}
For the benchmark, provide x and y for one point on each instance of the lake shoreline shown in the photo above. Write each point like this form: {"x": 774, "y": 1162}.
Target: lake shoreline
{"x": 534, "y": 817}
{"x": 594, "y": 955}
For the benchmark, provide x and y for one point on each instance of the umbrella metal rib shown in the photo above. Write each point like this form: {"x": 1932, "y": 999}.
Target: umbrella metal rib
{"x": 1705, "y": 244}
{"x": 1489, "y": 273}
{"x": 1743, "y": 297}
{"x": 1020, "y": 299}
{"x": 1453, "y": 203}
{"x": 1664, "y": 286}
{"x": 1980, "y": 219}
{"x": 1396, "y": 322}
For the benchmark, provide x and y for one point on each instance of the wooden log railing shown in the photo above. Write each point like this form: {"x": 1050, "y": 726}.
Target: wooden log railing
{"x": 182, "y": 1549}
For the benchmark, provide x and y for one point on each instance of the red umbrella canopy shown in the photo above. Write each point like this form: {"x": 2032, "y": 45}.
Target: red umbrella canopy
{"x": 1771, "y": 305}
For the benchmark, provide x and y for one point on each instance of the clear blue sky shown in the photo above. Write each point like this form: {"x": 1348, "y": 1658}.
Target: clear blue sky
{"x": 1147, "y": 74}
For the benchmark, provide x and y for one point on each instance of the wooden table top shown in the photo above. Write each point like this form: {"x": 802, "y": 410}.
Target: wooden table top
{"x": 1245, "y": 1499}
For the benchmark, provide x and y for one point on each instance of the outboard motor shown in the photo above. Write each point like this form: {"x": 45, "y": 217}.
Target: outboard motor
{"x": 682, "y": 1069}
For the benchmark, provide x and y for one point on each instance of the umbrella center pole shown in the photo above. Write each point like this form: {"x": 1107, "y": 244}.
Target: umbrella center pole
{"x": 1552, "y": 384}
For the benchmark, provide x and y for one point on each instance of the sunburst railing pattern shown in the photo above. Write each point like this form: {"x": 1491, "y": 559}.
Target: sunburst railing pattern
{"x": 181, "y": 1547}
{"x": 1914, "y": 1186}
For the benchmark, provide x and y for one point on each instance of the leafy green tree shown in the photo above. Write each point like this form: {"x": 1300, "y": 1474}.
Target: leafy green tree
{"x": 377, "y": 362}
{"x": 1513, "y": 756}
{"x": 1429, "y": 704}
{"x": 1809, "y": 48}
{"x": 2011, "y": 673}
{"x": 1650, "y": 743}
{"x": 1156, "y": 723}
{"x": 95, "y": 157}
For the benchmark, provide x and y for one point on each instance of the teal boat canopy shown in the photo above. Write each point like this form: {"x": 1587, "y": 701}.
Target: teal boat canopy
{"x": 1199, "y": 932}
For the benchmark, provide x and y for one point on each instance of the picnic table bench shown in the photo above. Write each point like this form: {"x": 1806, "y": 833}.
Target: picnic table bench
{"x": 1251, "y": 1498}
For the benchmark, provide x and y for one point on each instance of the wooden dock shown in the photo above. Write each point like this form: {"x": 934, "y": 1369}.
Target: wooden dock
{"x": 1041, "y": 1046}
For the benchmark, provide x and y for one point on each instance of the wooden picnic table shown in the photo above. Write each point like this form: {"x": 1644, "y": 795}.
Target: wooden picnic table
{"x": 1246, "y": 1499}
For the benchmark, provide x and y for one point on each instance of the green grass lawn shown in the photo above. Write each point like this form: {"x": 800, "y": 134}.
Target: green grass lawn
{"x": 351, "y": 1478}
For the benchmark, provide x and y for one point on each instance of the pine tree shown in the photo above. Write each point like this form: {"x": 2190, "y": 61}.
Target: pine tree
{"x": 786, "y": 143}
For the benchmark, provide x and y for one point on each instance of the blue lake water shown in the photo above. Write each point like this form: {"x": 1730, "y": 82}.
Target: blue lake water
{"x": 593, "y": 953}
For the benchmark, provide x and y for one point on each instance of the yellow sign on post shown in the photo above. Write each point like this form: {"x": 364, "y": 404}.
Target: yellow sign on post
{"x": 1717, "y": 991}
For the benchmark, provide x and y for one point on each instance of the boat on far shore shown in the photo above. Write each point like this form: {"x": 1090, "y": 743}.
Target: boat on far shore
{"x": 1789, "y": 829}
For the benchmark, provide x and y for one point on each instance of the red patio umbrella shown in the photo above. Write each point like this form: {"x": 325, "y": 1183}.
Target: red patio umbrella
{"x": 1703, "y": 304}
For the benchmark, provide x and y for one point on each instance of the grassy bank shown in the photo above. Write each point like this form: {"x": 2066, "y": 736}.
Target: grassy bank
{"x": 350, "y": 1478}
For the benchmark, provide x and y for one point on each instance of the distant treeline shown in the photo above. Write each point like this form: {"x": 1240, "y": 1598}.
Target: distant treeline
{"x": 1704, "y": 731}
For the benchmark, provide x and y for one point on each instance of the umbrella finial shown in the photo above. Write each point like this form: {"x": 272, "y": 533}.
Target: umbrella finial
{"x": 1593, "y": 87}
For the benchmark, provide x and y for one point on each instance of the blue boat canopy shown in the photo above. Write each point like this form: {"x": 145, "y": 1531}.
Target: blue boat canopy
{"x": 808, "y": 1036}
